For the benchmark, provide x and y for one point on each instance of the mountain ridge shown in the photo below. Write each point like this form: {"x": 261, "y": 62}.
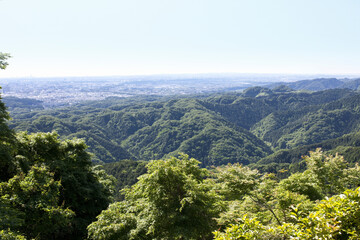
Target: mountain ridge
{"x": 216, "y": 129}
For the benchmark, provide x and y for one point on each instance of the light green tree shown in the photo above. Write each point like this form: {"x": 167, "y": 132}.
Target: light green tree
{"x": 247, "y": 228}
{"x": 172, "y": 201}
{"x": 328, "y": 171}
{"x": 236, "y": 181}
{"x": 294, "y": 203}
{"x": 325, "y": 175}
{"x": 337, "y": 217}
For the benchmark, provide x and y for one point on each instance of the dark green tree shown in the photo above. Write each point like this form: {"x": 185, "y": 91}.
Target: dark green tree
{"x": 7, "y": 138}
{"x": 32, "y": 201}
{"x": 84, "y": 190}
{"x": 48, "y": 187}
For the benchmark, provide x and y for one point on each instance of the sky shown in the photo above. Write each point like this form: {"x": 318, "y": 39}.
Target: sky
{"x": 141, "y": 37}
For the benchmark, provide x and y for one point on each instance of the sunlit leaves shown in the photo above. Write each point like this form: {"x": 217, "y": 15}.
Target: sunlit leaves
{"x": 289, "y": 202}
{"x": 246, "y": 229}
{"x": 236, "y": 180}
{"x": 171, "y": 201}
{"x": 334, "y": 218}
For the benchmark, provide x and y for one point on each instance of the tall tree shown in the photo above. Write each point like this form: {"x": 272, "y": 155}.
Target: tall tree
{"x": 33, "y": 201}
{"x": 7, "y": 137}
{"x": 49, "y": 188}
{"x": 84, "y": 189}
{"x": 171, "y": 201}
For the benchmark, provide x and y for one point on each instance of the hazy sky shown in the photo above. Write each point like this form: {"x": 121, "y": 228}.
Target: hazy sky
{"x": 118, "y": 37}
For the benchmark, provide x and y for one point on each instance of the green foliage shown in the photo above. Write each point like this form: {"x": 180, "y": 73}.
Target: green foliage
{"x": 290, "y": 209}
{"x": 311, "y": 226}
{"x": 247, "y": 228}
{"x": 333, "y": 218}
{"x": 331, "y": 173}
{"x": 151, "y": 131}
{"x": 7, "y": 146}
{"x": 11, "y": 218}
{"x": 214, "y": 130}
{"x": 253, "y": 195}
{"x": 344, "y": 211}
{"x": 171, "y": 201}
{"x": 328, "y": 170}
{"x": 48, "y": 187}
{"x": 154, "y": 197}
{"x": 263, "y": 200}
{"x": 115, "y": 223}
{"x": 236, "y": 181}
{"x": 83, "y": 190}
{"x": 303, "y": 183}
{"x": 126, "y": 173}
{"x": 3, "y": 58}
{"x": 325, "y": 175}
{"x": 286, "y": 200}
{"x": 32, "y": 204}
{"x": 9, "y": 235}
{"x": 306, "y": 120}
{"x": 290, "y": 159}
{"x": 50, "y": 190}
{"x": 22, "y": 105}
{"x": 55, "y": 192}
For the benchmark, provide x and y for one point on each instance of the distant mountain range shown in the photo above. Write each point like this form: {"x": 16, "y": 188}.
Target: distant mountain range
{"x": 320, "y": 84}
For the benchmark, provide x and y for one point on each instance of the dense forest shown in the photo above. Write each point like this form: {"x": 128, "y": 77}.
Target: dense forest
{"x": 251, "y": 127}
{"x": 265, "y": 163}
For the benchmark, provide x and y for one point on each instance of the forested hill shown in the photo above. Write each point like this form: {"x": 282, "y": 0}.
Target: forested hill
{"x": 320, "y": 84}
{"x": 152, "y": 130}
{"x": 217, "y": 129}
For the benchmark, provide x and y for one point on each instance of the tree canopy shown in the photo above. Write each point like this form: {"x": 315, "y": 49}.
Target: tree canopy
{"x": 55, "y": 191}
{"x": 176, "y": 199}
{"x": 171, "y": 201}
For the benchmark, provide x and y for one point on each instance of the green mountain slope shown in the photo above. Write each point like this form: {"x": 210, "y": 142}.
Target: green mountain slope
{"x": 347, "y": 145}
{"x": 153, "y": 130}
{"x": 218, "y": 129}
{"x": 126, "y": 173}
{"x": 321, "y": 84}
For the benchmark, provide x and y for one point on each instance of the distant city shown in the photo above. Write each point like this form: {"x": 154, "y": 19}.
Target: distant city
{"x": 64, "y": 91}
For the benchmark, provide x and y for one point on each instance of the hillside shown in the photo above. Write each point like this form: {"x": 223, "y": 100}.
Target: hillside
{"x": 347, "y": 145}
{"x": 320, "y": 84}
{"x": 215, "y": 129}
{"x": 153, "y": 130}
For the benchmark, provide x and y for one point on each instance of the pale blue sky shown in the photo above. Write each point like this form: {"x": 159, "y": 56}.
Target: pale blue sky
{"x": 117, "y": 37}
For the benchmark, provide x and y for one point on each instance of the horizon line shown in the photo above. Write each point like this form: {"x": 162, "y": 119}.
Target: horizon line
{"x": 185, "y": 74}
